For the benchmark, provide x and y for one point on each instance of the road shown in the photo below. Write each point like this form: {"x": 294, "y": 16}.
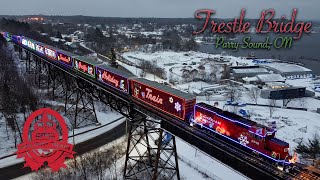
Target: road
{"x": 17, "y": 170}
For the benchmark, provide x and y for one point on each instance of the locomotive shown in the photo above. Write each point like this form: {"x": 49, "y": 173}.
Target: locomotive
{"x": 171, "y": 102}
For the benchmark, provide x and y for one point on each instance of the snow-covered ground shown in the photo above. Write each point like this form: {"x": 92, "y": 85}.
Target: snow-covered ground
{"x": 174, "y": 62}
{"x": 205, "y": 163}
{"x": 113, "y": 118}
{"x": 293, "y": 125}
{"x": 202, "y": 166}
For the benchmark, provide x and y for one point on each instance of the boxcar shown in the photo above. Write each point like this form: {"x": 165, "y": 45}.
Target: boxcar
{"x": 16, "y": 39}
{"x": 40, "y": 48}
{"x": 85, "y": 65}
{"x": 166, "y": 99}
{"x": 7, "y": 36}
{"x": 114, "y": 78}
{"x": 65, "y": 58}
{"x": 50, "y": 52}
{"x": 28, "y": 43}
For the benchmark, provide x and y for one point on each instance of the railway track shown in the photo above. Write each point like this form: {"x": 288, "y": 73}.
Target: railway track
{"x": 265, "y": 165}
{"x": 232, "y": 150}
{"x": 257, "y": 164}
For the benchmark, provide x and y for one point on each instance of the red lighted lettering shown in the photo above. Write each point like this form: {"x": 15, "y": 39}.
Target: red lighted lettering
{"x": 63, "y": 58}
{"x": 110, "y": 78}
{"x": 83, "y": 67}
{"x": 153, "y": 98}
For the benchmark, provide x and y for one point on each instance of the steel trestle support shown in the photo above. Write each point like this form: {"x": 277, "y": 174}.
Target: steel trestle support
{"x": 61, "y": 86}
{"x": 150, "y": 153}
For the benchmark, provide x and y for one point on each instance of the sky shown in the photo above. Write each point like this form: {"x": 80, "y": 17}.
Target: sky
{"x": 307, "y": 9}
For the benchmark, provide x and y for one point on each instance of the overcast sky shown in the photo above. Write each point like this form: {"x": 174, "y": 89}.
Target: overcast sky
{"x": 307, "y": 9}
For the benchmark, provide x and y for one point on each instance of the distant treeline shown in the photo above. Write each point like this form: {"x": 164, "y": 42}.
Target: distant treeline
{"x": 119, "y": 20}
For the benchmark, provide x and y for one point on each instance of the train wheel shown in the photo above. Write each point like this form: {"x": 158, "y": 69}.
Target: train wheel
{"x": 255, "y": 154}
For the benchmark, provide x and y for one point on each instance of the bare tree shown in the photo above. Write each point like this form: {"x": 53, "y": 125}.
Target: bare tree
{"x": 272, "y": 106}
{"x": 233, "y": 93}
{"x": 98, "y": 164}
{"x": 225, "y": 72}
{"x": 214, "y": 72}
{"x": 285, "y": 102}
{"x": 15, "y": 93}
{"x": 254, "y": 94}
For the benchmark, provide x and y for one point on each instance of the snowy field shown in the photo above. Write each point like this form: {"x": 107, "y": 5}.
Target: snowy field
{"x": 174, "y": 63}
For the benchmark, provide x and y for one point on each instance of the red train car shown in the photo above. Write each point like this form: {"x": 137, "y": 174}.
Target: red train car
{"x": 114, "y": 78}
{"x": 243, "y": 131}
{"x": 168, "y": 100}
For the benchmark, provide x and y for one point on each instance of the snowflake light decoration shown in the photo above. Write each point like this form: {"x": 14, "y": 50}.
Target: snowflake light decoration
{"x": 136, "y": 91}
{"x": 177, "y": 106}
{"x": 171, "y": 99}
{"x": 243, "y": 140}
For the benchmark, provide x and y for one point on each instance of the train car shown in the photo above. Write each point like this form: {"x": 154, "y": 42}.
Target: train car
{"x": 168, "y": 100}
{"x": 65, "y": 58}
{"x": 7, "y": 36}
{"x": 85, "y": 65}
{"x": 2, "y": 34}
{"x": 28, "y": 43}
{"x": 50, "y": 52}
{"x": 40, "y": 48}
{"x": 16, "y": 39}
{"x": 114, "y": 78}
{"x": 245, "y": 132}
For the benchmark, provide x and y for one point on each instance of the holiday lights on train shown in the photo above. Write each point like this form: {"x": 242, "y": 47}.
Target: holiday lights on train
{"x": 85, "y": 66}
{"x": 173, "y": 103}
{"x": 108, "y": 75}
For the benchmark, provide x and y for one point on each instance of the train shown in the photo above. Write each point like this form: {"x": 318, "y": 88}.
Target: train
{"x": 178, "y": 105}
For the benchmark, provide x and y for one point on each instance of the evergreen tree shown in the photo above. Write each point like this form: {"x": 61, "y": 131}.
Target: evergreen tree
{"x": 59, "y": 35}
{"x": 311, "y": 149}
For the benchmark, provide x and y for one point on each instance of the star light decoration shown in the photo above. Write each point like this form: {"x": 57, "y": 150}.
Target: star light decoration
{"x": 171, "y": 100}
{"x": 243, "y": 140}
{"x": 177, "y": 106}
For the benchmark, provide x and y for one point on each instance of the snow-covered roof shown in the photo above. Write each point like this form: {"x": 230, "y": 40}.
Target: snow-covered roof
{"x": 270, "y": 78}
{"x": 250, "y": 79}
{"x": 277, "y": 84}
{"x": 56, "y": 39}
{"x": 283, "y": 67}
{"x": 250, "y": 70}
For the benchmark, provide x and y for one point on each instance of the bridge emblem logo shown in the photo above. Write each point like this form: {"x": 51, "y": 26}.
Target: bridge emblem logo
{"x": 44, "y": 141}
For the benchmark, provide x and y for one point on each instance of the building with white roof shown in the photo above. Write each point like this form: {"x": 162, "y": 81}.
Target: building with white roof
{"x": 265, "y": 78}
{"x": 239, "y": 73}
{"x": 289, "y": 70}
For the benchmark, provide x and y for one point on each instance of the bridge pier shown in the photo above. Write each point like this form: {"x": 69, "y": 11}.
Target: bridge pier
{"x": 78, "y": 99}
{"x": 151, "y": 154}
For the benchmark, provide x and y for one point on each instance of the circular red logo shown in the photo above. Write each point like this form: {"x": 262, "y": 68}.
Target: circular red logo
{"x": 44, "y": 142}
